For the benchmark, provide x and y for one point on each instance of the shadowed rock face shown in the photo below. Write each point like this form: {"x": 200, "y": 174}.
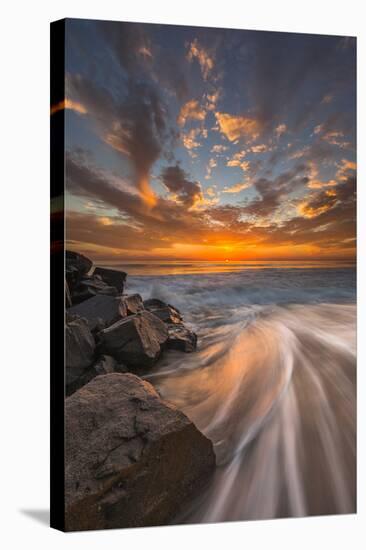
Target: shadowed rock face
{"x": 77, "y": 266}
{"x": 132, "y": 304}
{"x": 131, "y": 458}
{"x": 112, "y": 277}
{"x": 100, "y": 311}
{"x": 181, "y": 338}
{"x": 165, "y": 312}
{"x": 80, "y": 347}
{"x": 136, "y": 340}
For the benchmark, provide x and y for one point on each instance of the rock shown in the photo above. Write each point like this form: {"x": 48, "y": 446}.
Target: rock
{"x": 68, "y": 301}
{"x": 105, "y": 364}
{"x": 132, "y": 460}
{"x": 165, "y": 312}
{"x": 133, "y": 304}
{"x": 76, "y": 266}
{"x": 80, "y": 347}
{"x": 100, "y": 311}
{"x": 181, "y": 338}
{"x": 89, "y": 287}
{"x": 136, "y": 340}
{"x": 112, "y": 277}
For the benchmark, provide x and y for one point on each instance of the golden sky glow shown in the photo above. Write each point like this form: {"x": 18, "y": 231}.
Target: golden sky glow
{"x": 193, "y": 144}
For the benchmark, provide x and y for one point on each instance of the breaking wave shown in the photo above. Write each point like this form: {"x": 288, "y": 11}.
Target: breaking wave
{"x": 272, "y": 384}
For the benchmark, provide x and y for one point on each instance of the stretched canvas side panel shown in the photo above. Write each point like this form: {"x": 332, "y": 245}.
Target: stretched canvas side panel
{"x": 57, "y": 495}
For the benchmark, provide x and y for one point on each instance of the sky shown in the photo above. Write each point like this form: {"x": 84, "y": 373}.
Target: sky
{"x": 191, "y": 143}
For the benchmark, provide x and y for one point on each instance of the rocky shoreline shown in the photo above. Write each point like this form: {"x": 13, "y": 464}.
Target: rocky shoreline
{"x": 132, "y": 459}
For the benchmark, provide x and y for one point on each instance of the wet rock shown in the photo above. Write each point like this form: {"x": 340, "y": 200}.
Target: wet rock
{"x": 165, "y": 312}
{"x": 100, "y": 311}
{"x": 136, "y": 340}
{"x": 80, "y": 347}
{"x": 131, "y": 458}
{"x": 181, "y": 338}
{"x": 132, "y": 303}
{"x": 112, "y": 277}
{"x": 76, "y": 266}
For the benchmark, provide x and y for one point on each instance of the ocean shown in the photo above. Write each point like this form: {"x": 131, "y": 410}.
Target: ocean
{"x": 272, "y": 383}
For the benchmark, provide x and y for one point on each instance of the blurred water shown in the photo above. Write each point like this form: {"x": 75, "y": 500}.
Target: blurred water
{"x": 272, "y": 384}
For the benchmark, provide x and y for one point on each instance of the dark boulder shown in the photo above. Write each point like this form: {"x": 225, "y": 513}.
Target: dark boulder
{"x": 132, "y": 460}
{"x": 181, "y": 338}
{"x": 80, "y": 348}
{"x": 112, "y": 277}
{"x": 76, "y": 266}
{"x": 105, "y": 364}
{"x": 136, "y": 340}
{"x": 89, "y": 287}
{"x": 132, "y": 304}
{"x": 165, "y": 312}
{"x": 68, "y": 301}
{"x": 100, "y": 311}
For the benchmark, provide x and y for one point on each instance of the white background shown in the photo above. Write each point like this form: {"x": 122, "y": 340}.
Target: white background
{"x": 24, "y": 271}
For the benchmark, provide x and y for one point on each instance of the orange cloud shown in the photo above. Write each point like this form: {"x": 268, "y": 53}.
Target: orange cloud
{"x": 318, "y": 204}
{"x": 237, "y": 187}
{"x": 105, "y": 221}
{"x": 316, "y": 184}
{"x": 69, "y": 104}
{"x": 262, "y": 148}
{"x": 345, "y": 169}
{"x": 205, "y": 61}
{"x": 189, "y": 138}
{"x": 191, "y": 110}
{"x": 237, "y": 160}
{"x": 237, "y": 127}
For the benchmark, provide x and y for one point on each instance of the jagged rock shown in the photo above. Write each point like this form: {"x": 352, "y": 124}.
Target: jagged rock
{"x": 76, "y": 267}
{"x": 68, "y": 301}
{"x": 80, "y": 347}
{"x": 131, "y": 459}
{"x": 181, "y": 338}
{"x": 133, "y": 304}
{"x": 100, "y": 311}
{"x": 165, "y": 312}
{"x": 105, "y": 364}
{"x": 89, "y": 287}
{"x": 112, "y": 277}
{"x": 136, "y": 340}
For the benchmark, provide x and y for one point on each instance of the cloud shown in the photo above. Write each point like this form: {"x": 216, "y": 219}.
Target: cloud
{"x": 280, "y": 130}
{"x": 183, "y": 191}
{"x": 212, "y": 163}
{"x": 326, "y": 199}
{"x": 218, "y": 148}
{"x": 262, "y": 148}
{"x": 134, "y": 125}
{"x": 206, "y": 62}
{"x": 238, "y": 127}
{"x": 346, "y": 169}
{"x": 336, "y": 137}
{"x": 190, "y": 138}
{"x": 317, "y": 184}
{"x": 69, "y": 104}
{"x": 191, "y": 111}
{"x": 237, "y": 161}
{"x": 129, "y": 43}
{"x": 212, "y": 100}
{"x": 237, "y": 187}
